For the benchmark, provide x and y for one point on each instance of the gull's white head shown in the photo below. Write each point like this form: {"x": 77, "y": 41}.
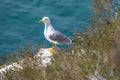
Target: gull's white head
{"x": 45, "y": 20}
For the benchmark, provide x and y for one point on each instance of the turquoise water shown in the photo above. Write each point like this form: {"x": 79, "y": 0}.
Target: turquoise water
{"x": 19, "y": 20}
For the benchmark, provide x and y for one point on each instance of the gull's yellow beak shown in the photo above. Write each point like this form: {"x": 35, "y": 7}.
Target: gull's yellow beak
{"x": 40, "y": 21}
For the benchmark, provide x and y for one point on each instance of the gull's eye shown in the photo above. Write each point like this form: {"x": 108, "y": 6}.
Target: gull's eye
{"x": 45, "y": 19}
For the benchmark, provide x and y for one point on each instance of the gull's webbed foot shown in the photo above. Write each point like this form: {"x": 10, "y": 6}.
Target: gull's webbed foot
{"x": 51, "y": 50}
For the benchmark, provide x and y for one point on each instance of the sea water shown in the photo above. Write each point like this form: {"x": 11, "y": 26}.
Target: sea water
{"x": 19, "y": 20}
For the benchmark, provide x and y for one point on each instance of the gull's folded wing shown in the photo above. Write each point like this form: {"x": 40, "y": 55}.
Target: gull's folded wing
{"x": 60, "y": 38}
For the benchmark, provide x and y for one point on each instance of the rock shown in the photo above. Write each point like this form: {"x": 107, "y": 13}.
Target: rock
{"x": 42, "y": 59}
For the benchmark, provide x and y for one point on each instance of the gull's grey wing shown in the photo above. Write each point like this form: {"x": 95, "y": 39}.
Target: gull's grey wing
{"x": 60, "y": 38}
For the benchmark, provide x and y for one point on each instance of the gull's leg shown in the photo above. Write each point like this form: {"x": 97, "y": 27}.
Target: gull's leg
{"x": 53, "y": 45}
{"x": 52, "y": 50}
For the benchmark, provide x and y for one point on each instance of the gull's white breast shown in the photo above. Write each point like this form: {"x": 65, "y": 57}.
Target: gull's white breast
{"x": 47, "y": 32}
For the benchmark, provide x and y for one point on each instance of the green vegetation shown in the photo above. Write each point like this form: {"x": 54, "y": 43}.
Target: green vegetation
{"x": 95, "y": 52}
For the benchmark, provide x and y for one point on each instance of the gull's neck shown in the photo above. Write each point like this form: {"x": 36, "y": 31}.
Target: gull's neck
{"x": 48, "y": 25}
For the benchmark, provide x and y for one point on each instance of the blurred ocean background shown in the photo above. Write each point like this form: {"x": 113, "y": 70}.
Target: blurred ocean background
{"x": 19, "y": 20}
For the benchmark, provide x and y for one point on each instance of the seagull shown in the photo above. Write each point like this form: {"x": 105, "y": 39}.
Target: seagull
{"x": 52, "y": 35}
